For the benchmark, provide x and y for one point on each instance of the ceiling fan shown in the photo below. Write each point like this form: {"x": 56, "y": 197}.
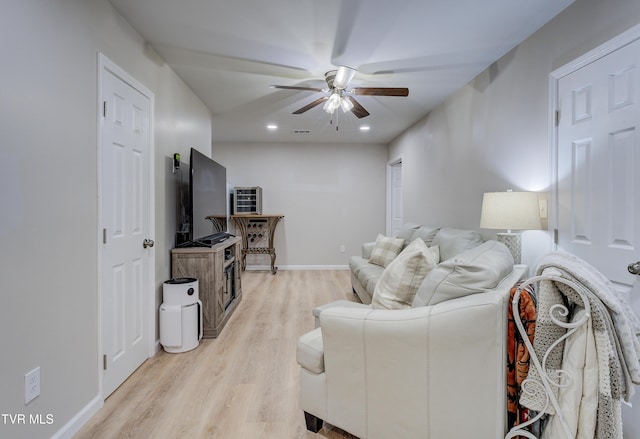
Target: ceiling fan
{"x": 339, "y": 96}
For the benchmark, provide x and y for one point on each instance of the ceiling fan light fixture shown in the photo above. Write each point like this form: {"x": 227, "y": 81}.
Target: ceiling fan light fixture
{"x": 339, "y": 97}
{"x": 346, "y": 105}
{"x": 344, "y": 75}
{"x": 332, "y": 103}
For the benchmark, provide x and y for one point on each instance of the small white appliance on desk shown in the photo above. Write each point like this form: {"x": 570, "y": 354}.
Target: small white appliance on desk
{"x": 180, "y": 315}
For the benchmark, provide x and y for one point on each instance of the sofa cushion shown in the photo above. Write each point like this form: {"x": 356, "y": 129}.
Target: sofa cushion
{"x": 473, "y": 271}
{"x": 356, "y": 263}
{"x": 411, "y": 231}
{"x": 369, "y": 272}
{"x": 407, "y": 231}
{"x": 455, "y": 241}
{"x": 426, "y": 233}
{"x": 403, "y": 276}
{"x": 370, "y": 285}
{"x": 385, "y": 250}
{"x": 310, "y": 352}
{"x": 366, "y": 249}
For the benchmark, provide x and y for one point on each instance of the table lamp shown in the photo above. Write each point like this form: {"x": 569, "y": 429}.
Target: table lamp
{"x": 511, "y": 211}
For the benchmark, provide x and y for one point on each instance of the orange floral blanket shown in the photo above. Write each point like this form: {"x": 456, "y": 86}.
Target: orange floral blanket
{"x": 517, "y": 353}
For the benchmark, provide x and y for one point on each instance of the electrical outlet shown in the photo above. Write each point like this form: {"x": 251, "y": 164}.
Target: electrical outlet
{"x": 543, "y": 209}
{"x": 31, "y": 385}
{"x": 343, "y": 249}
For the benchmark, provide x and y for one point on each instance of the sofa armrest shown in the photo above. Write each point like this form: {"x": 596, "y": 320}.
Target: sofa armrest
{"x": 338, "y": 303}
{"x": 366, "y": 249}
{"x": 401, "y": 373}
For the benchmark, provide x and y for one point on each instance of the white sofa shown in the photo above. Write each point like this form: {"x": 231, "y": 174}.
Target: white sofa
{"x": 451, "y": 241}
{"x": 436, "y": 370}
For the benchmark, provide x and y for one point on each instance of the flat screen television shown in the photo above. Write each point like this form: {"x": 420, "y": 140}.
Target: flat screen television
{"x": 209, "y": 219}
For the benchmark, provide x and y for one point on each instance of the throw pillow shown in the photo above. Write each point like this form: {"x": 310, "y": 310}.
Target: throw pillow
{"x": 385, "y": 250}
{"x": 435, "y": 251}
{"x": 473, "y": 271}
{"x": 402, "y": 277}
{"x": 407, "y": 231}
{"x": 454, "y": 241}
{"x": 427, "y": 233}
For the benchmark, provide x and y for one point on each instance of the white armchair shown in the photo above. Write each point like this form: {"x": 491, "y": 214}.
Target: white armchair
{"x": 435, "y": 372}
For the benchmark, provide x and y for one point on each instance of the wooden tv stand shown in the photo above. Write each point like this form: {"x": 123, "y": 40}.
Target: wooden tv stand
{"x": 217, "y": 269}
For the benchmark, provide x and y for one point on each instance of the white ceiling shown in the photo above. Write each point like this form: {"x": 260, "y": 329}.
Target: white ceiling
{"x": 230, "y": 51}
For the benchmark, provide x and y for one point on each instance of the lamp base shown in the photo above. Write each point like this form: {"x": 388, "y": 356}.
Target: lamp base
{"x": 513, "y": 242}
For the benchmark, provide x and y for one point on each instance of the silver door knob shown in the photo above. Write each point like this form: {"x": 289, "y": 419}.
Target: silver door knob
{"x": 148, "y": 243}
{"x": 634, "y": 268}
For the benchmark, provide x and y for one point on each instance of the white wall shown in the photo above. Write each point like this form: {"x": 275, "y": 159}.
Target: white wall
{"x": 330, "y": 195}
{"x": 48, "y": 221}
{"x": 491, "y": 135}
{"x": 494, "y": 133}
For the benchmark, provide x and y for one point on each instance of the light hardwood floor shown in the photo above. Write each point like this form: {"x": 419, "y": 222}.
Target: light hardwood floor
{"x": 244, "y": 384}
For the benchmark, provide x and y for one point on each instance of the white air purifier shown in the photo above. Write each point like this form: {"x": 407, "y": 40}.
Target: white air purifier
{"x": 180, "y": 315}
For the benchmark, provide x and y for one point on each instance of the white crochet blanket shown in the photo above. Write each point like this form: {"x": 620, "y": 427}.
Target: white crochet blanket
{"x": 616, "y": 329}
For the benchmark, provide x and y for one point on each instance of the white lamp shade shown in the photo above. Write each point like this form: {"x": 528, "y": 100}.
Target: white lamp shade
{"x": 510, "y": 211}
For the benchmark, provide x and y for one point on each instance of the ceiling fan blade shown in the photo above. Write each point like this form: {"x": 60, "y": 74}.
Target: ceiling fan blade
{"x": 311, "y": 105}
{"x": 358, "y": 109}
{"x": 294, "y": 87}
{"x": 216, "y": 62}
{"x": 380, "y": 91}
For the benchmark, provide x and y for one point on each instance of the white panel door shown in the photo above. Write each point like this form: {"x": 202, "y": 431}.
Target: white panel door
{"x": 599, "y": 173}
{"x": 395, "y": 199}
{"x": 125, "y": 183}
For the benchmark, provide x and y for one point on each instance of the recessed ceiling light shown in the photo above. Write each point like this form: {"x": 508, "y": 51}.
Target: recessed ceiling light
{"x": 365, "y": 128}
{"x": 272, "y": 127}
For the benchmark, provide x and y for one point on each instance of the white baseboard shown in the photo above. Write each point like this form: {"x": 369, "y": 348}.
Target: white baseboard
{"x": 297, "y": 267}
{"x": 82, "y": 417}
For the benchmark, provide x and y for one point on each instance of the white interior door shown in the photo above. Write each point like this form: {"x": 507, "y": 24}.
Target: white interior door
{"x": 126, "y": 223}
{"x": 598, "y": 187}
{"x": 394, "y": 204}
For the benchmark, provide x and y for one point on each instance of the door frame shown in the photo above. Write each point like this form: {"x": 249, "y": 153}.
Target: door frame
{"x": 627, "y": 37}
{"x": 106, "y": 64}
{"x": 390, "y": 165}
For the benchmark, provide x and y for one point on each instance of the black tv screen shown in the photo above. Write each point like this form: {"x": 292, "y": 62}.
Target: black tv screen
{"x": 208, "y": 189}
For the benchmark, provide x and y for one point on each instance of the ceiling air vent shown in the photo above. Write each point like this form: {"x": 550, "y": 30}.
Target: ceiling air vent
{"x": 301, "y": 131}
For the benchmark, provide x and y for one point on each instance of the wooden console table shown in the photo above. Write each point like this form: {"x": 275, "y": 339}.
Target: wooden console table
{"x": 257, "y": 228}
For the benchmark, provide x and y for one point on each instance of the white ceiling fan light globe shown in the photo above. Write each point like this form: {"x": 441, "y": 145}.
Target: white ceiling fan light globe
{"x": 332, "y": 103}
{"x": 344, "y": 75}
{"x": 346, "y": 104}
